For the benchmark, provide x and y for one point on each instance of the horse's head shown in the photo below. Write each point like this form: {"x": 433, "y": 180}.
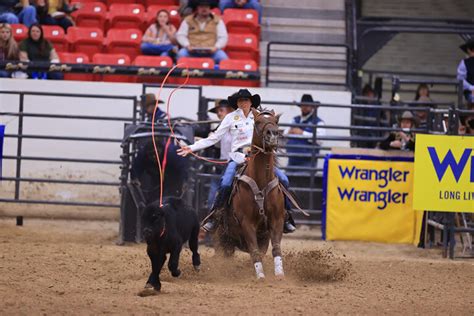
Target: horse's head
{"x": 266, "y": 129}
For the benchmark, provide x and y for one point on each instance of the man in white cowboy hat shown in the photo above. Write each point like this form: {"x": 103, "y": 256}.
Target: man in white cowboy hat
{"x": 466, "y": 70}
{"x": 405, "y": 139}
{"x": 240, "y": 125}
{"x": 308, "y": 115}
{"x": 202, "y": 34}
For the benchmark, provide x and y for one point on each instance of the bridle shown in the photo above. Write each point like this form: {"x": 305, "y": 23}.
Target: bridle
{"x": 260, "y": 133}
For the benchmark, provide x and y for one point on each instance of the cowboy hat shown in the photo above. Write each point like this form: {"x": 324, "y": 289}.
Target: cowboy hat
{"x": 468, "y": 45}
{"x": 244, "y": 94}
{"x": 193, "y": 4}
{"x": 150, "y": 99}
{"x": 307, "y": 99}
{"x": 219, "y": 104}
{"x": 407, "y": 115}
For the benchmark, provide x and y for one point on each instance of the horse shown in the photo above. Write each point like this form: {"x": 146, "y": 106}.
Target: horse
{"x": 256, "y": 213}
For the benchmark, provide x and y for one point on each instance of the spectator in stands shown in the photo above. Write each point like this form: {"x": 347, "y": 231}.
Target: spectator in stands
{"x": 422, "y": 91}
{"x": 422, "y": 116}
{"x": 55, "y": 12}
{"x": 37, "y": 48}
{"x": 221, "y": 109}
{"x": 405, "y": 139}
{"x": 242, "y": 4}
{"x": 160, "y": 37}
{"x": 8, "y": 47}
{"x": 466, "y": 71}
{"x": 202, "y": 34}
{"x": 304, "y": 135}
{"x": 150, "y": 103}
{"x": 17, "y": 11}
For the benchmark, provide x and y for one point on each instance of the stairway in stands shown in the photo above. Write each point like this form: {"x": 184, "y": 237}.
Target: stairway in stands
{"x": 304, "y": 21}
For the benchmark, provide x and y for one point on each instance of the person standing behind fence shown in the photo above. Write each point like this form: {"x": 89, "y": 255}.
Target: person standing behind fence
{"x": 37, "y": 48}
{"x": 308, "y": 115}
{"x": 202, "y": 34}
{"x": 466, "y": 71}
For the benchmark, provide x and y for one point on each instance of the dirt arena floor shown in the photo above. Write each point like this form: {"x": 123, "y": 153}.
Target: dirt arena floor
{"x": 75, "y": 267}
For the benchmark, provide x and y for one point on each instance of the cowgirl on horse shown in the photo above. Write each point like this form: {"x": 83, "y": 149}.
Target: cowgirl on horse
{"x": 240, "y": 125}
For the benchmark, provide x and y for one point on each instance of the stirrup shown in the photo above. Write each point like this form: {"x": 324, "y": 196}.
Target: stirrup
{"x": 288, "y": 228}
{"x": 210, "y": 225}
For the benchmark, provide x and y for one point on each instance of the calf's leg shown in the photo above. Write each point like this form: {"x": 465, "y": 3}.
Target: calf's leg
{"x": 157, "y": 259}
{"x": 174, "y": 261}
{"x": 193, "y": 245}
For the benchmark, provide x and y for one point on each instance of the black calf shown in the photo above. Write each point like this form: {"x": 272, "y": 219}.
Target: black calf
{"x": 165, "y": 230}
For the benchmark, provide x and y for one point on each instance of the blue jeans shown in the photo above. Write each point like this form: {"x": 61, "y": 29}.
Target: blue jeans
{"x": 5, "y": 74}
{"x": 251, "y": 4}
{"x": 26, "y": 16}
{"x": 229, "y": 174}
{"x": 156, "y": 49}
{"x": 217, "y": 56}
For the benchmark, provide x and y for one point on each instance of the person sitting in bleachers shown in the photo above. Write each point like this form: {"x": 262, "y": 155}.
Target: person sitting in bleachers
{"x": 160, "y": 37}
{"x": 466, "y": 71}
{"x": 8, "y": 47}
{"x": 402, "y": 140}
{"x": 202, "y": 34}
{"x": 17, "y": 11}
{"x": 36, "y": 48}
{"x": 242, "y": 4}
{"x": 55, "y": 12}
{"x": 423, "y": 91}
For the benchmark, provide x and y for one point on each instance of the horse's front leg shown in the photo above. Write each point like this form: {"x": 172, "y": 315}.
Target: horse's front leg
{"x": 250, "y": 235}
{"x": 276, "y": 234}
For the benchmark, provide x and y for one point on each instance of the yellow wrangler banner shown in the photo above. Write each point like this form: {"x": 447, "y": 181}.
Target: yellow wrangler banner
{"x": 369, "y": 198}
{"x": 444, "y": 173}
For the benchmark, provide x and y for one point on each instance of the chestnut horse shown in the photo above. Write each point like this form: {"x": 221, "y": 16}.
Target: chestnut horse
{"x": 257, "y": 213}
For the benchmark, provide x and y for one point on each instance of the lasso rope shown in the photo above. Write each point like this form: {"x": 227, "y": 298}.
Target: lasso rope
{"x": 161, "y": 167}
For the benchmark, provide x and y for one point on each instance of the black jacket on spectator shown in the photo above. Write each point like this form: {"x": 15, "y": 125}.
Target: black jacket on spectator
{"x": 469, "y": 62}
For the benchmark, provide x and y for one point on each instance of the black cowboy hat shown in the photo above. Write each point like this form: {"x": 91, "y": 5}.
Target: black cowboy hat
{"x": 150, "y": 99}
{"x": 244, "y": 93}
{"x": 307, "y": 99}
{"x": 468, "y": 45}
{"x": 193, "y": 4}
{"x": 219, "y": 104}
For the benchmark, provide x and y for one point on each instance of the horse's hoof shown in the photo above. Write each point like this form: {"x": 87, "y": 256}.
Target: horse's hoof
{"x": 260, "y": 277}
{"x": 148, "y": 291}
{"x": 148, "y": 286}
{"x": 280, "y": 277}
{"x": 197, "y": 268}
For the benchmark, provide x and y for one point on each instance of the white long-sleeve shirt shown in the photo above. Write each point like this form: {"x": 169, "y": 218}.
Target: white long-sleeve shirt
{"x": 222, "y": 36}
{"x": 240, "y": 129}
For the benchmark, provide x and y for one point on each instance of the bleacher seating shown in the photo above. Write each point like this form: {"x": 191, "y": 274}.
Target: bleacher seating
{"x": 125, "y": 41}
{"x": 75, "y": 58}
{"x": 93, "y": 14}
{"x": 243, "y": 46}
{"x": 112, "y": 59}
{"x": 152, "y": 61}
{"x": 242, "y": 21}
{"x": 126, "y": 15}
{"x": 87, "y": 40}
{"x": 242, "y": 65}
{"x": 55, "y": 34}
{"x": 197, "y": 63}
{"x": 175, "y": 19}
{"x": 20, "y": 32}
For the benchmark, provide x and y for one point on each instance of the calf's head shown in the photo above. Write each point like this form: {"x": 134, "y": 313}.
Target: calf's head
{"x": 153, "y": 221}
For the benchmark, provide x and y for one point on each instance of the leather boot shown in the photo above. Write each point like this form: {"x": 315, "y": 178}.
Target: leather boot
{"x": 289, "y": 225}
{"x": 220, "y": 201}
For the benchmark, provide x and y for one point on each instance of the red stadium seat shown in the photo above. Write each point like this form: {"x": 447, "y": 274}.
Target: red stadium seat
{"x": 55, "y": 34}
{"x": 126, "y": 16}
{"x": 152, "y": 61}
{"x": 238, "y": 65}
{"x": 75, "y": 58}
{"x": 242, "y": 21}
{"x": 20, "y": 32}
{"x": 175, "y": 19}
{"x": 243, "y": 46}
{"x": 85, "y": 1}
{"x": 124, "y": 42}
{"x": 111, "y": 2}
{"x": 161, "y": 2}
{"x": 86, "y": 40}
{"x": 112, "y": 59}
{"x": 93, "y": 14}
{"x": 196, "y": 63}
